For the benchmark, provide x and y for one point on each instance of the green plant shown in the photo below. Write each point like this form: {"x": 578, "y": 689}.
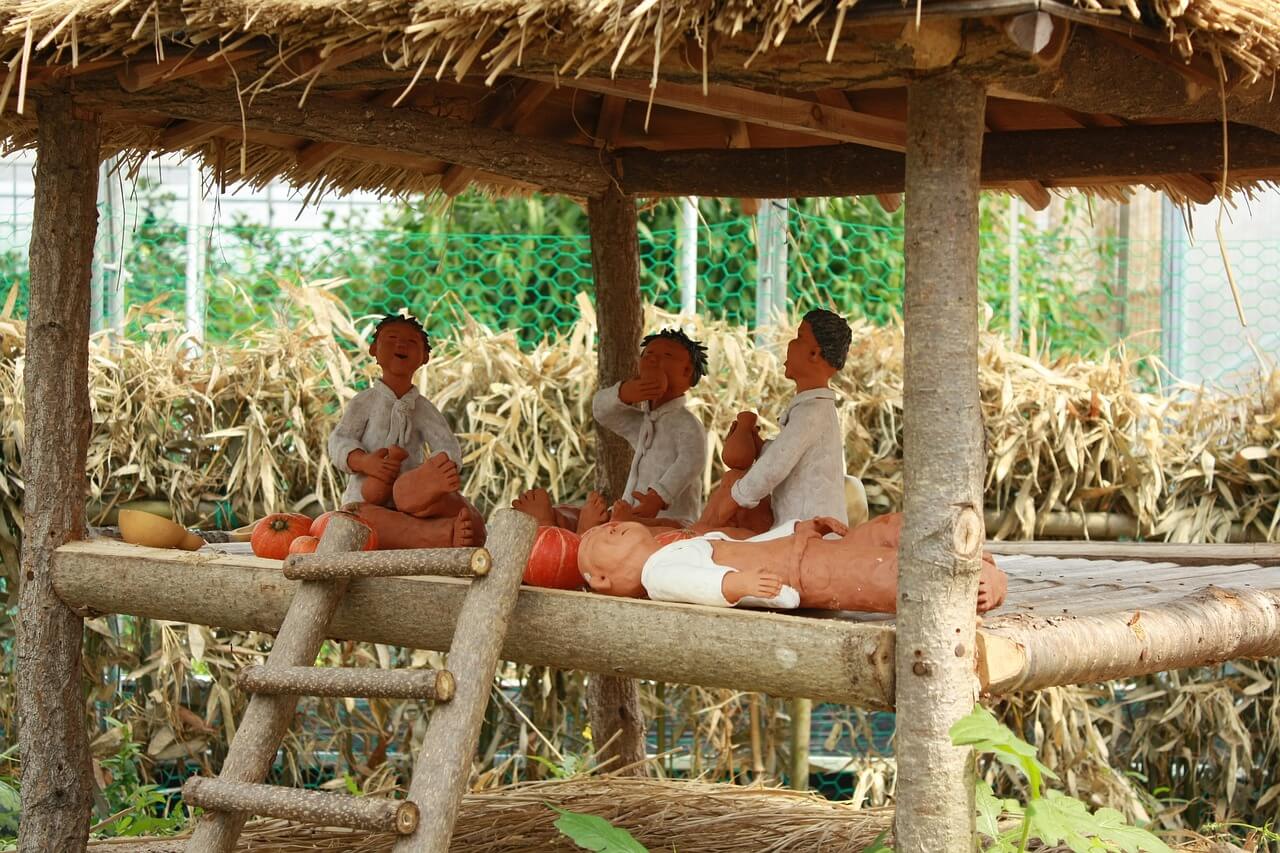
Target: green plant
{"x": 135, "y": 808}
{"x": 591, "y": 832}
{"x": 1049, "y": 816}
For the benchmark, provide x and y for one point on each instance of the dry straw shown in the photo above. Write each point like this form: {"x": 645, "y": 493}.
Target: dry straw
{"x": 244, "y": 427}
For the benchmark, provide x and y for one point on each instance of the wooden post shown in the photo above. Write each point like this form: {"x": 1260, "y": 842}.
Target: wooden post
{"x": 801, "y": 731}
{"x": 268, "y": 717}
{"x": 614, "y": 703}
{"x": 943, "y": 465}
{"x": 51, "y": 712}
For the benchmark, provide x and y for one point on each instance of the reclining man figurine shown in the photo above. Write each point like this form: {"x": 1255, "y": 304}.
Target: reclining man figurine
{"x": 818, "y": 563}
{"x": 409, "y": 501}
{"x": 802, "y": 469}
{"x": 664, "y": 488}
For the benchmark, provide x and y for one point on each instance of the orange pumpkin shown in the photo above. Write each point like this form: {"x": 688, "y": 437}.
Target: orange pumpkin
{"x": 669, "y": 536}
{"x": 273, "y": 535}
{"x": 322, "y": 521}
{"x": 553, "y": 562}
{"x": 304, "y": 545}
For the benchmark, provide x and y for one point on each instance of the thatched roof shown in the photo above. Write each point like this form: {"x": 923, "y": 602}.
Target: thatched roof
{"x": 585, "y": 80}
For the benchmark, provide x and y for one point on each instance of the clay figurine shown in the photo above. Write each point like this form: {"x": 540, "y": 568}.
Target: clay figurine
{"x": 409, "y": 499}
{"x": 664, "y": 487}
{"x": 817, "y": 563}
{"x": 802, "y": 469}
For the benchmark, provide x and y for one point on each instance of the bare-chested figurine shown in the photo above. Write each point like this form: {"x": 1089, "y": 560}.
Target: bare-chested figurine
{"x": 817, "y": 563}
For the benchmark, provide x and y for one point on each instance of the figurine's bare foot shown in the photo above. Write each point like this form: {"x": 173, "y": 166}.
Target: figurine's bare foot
{"x": 415, "y": 491}
{"x": 621, "y": 511}
{"x": 992, "y": 585}
{"x": 537, "y": 503}
{"x": 464, "y": 530}
{"x": 594, "y": 513}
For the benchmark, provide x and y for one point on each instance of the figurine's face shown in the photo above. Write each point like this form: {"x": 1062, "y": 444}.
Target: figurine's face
{"x": 399, "y": 349}
{"x": 611, "y": 557}
{"x": 804, "y": 357}
{"x": 673, "y": 361}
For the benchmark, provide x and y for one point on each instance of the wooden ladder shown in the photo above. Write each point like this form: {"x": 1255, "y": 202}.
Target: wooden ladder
{"x": 443, "y": 766}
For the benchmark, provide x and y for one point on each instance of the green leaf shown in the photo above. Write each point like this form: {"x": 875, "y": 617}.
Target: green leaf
{"x": 595, "y": 833}
{"x": 1058, "y": 818}
{"x": 981, "y": 730}
{"x": 878, "y": 845}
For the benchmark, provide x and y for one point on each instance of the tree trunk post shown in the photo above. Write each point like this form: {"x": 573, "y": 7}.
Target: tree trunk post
{"x": 942, "y": 536}
{"x": 51, "y": 707}
{"x": 617, "y": 727}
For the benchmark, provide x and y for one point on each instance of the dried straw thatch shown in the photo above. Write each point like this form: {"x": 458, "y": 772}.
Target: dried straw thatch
{"x": 692, "y": 817}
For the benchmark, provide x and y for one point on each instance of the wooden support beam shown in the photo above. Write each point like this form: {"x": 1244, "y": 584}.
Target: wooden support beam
{"x": 614, "y": 703}
{"x": 609, "y": 122}
{"x": 553, "y": 166}
{"x": 136, "y": 76}
{"x": 349, "y": 681}
{"x": 56, "y": 770}
{"x": 320, "y": 808}
{"x": 779, "y": 111}
{"x": 186, "y": 134}
{"x": 267, "y": 718}
{"x": 1262, "y": 554}
{"x": 943, "y": 465}
{"x": 315, "y": 155}
{"x": 829, "y": 659}
{"x": 1123, "y": 155}
{"x": 408, "y": 562}
{"x": 1197, "y": 70}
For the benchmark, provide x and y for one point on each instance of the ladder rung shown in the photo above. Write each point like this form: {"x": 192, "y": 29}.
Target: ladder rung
{"x": 349, "y": 681}
{"x": 436, "y": 562}
{"x": 314, "y": 807}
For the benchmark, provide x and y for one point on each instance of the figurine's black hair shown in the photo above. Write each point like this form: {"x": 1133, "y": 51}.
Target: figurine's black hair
{"x": 832, "y": 333}
{"x": 697, "y": 352}
{"x": 403, "y": 318}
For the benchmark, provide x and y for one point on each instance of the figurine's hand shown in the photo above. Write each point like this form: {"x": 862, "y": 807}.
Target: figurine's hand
{"x": 641, "y": 388}
{"x": 384, "y": 463}
{"x": 720, "y": 509}
{"x": 647, "y": 504}
{"x": 821, "y": 526}
{"x": 758, "y": 584}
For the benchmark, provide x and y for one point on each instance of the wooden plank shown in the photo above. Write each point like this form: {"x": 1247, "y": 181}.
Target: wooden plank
{"x": 750, "y": 105}
{"x": 1133, "y": 154}
{"x": 1262, "y": 554}
{"x": 828, "y": 659}
{"x": 321, "y": 808}
{"x": 358, "y": 682}
{"x": 437, "y": 562}
{"x": 511, "y": 115}
{"x": 136, "y": 76}
{"x": 187, "y": 134}
{"x": 612, "y": 109}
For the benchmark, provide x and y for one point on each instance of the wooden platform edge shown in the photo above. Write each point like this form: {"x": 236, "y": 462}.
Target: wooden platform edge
{"x": 1259, "y": 553}
{"x": 783, "y": 655}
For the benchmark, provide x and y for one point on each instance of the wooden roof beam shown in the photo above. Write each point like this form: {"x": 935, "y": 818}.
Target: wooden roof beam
{"x": 186, "y": 134}
{"x": 1138, "y": 154}
{"x": 553, "y": 166}
{"x": 609, "y": 122}
{"x": 508, "y": 116}
{"x": 779, "y": 111}
{"x": 135, "y": 77}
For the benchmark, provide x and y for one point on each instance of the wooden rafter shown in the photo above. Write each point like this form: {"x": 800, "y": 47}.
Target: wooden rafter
{"x": 838, "y": 99}
{"x": 135, "y": 77}
{"x": 507, "y": 116}
{"x": 551, "y": 165}
{"x": 609, "y": 121}
{"x": 771, "y": 110}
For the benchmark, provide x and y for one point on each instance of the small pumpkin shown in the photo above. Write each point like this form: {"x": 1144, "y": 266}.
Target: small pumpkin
{"x": 322, "y": 521}
{"x": 273, "y": 535}
{"x": 553, "y": 562}
{"x": 304, "y": 545}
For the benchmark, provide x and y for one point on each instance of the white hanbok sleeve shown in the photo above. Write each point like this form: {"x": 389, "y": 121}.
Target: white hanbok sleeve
{"x": 616, "y": 416}
{"x": 436, "y": 429}
{"x": 349, "y": 433}
{"x": 690, "y": 461}
{"x": 804, "y": 427}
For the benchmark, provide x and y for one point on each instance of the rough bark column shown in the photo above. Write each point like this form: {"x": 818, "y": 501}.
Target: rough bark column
{"x": 51, "y": 709}
{"x": 614, "y": 703}
{"x": 943, "y": 465}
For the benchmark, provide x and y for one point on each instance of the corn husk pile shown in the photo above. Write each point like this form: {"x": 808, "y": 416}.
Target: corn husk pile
{"x": 243, "y": 428}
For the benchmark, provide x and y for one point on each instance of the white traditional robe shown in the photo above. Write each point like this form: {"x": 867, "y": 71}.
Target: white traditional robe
{"x": 375, "y": 419}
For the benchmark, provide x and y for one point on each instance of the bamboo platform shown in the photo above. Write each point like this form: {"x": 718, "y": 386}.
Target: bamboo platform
{"x": 1068, "y": 619}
